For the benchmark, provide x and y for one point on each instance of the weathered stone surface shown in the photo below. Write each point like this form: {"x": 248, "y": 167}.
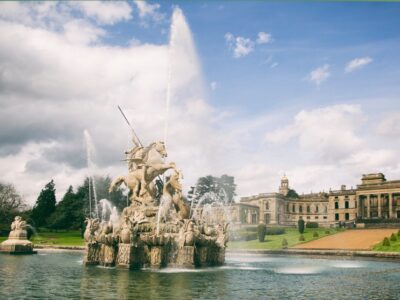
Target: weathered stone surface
{"x": 17, "y": 242}
{"x": 153, "y": 234}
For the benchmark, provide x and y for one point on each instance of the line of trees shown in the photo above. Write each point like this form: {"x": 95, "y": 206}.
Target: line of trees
{"x": 69, "y": 213}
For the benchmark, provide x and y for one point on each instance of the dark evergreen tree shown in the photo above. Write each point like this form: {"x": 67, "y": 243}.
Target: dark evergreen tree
{"x": 223, "y": 186}
{"x": 45, "y": 205}
{"x": 300, "y": 225}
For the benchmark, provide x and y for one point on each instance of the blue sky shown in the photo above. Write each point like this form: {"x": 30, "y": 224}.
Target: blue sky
{"x": 307, "y": 89}
{"x": 305, "y": 36}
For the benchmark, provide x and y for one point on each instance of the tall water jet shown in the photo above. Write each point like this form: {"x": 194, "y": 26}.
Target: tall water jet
{"x": 91, "y": 166}
{"x": 184, "y": 76}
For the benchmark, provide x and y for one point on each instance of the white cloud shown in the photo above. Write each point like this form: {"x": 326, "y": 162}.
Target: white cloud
{"x": 106, "y": 12}
{"x": 389, "y": 125}
{"x": 213, "y": 85}
{"x": 82, "y": 32}
{"x": 264, "y": 38}
{"x": 357, "y": 63}
{"x": 149, "y": 11}
{"x": 229, "y": 37}
{"x": 319, "y": 75}
{"x": 320, "y": 130}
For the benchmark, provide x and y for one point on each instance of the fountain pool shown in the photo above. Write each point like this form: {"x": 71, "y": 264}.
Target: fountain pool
{"x": 61, "y": 275}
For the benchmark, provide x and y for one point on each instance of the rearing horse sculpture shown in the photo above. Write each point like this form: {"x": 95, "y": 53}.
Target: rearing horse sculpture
{"x": 140, "y": 181}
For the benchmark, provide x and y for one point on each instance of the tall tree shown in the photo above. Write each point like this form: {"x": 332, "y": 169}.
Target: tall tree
{"x": 11, "y": 203}
{"x": 67, "y": 214}
{"x": 45, "y": 205}
{"x": 223, "y": 188}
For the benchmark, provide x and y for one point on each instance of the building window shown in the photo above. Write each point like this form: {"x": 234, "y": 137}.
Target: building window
{"x": 267, "y": 205}
{"x": 346, "y": 204}
{"x": 325, "y": 217}
{"x": 287, "y": 208}
{"x": 308, "y": 208}
{"x": 336, "y": 205}
{"x": 300, "y": 208}
{"x": 293, "y": 208}
{"x": 316, "y": 217}
{"x": 347, "y": 216}
{"x": 308, "y": 217}
{"x": 316, "y": 208}
{"x": 254, "y": 218}
{"x": 336, "y": 217}
{"x": 355, "y": 204}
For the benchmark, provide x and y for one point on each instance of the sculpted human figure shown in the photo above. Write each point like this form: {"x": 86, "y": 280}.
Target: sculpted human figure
{"x": 173, "y": 190}
{"x": 91, "y": 231}
{"x": 18, "y": 228}
{"x": 140, "y": 180}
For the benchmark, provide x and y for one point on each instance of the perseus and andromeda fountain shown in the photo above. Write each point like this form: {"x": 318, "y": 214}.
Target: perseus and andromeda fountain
{"x": 156, "y": 229}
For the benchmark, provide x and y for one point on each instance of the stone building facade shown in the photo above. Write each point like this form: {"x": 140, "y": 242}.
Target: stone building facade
{"x": 374, "y": 198}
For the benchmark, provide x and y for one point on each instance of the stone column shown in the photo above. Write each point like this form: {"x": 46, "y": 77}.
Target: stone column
{"x": 359, "y": 207}
{"x": 379, "y": 206}
{"x": 390, "y": 205}
{"x": 369, "y": 206}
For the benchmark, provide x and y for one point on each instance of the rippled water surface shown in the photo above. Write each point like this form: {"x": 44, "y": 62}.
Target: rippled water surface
{"x": 61, "y": 275}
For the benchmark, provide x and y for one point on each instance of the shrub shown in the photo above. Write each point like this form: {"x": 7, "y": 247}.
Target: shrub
{"x": 312, "y": 225}
{"x": 251, "y": 229}
{"x": 275, "y": 231}
{"x": 393, "y": 237}
{"x": 300, "y": 225}
{"x": 398, "y": 233}
{"x": 301, "y": 238}
{"x": 327, "y": 232}
{"x": 315, "y": 234}
{"x": 386, "y": 242}
{"x": 261, "y": 230}
{"x": 284, "y": 244}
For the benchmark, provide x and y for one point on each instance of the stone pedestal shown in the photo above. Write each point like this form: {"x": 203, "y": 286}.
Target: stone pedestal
{"x": 130, "y": 257}
{"x": 157, "y": 256}
{"x": 185, "y": 257}
{"x": 17, "y": 246}
{"x": 92, "y": 254}
{"x": 17, "y": 242}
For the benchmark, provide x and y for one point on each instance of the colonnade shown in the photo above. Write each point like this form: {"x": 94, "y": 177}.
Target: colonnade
{"x": 363, "y": 199}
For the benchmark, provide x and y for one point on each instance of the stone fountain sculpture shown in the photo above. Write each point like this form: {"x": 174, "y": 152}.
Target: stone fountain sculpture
{"x": 17, "y": 242}
{"x": 154, "y": 230}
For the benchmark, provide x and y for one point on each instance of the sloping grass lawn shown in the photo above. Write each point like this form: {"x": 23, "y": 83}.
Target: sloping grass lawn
{"x": 274, "y": 242}
{"x": 60, "y": 238}
{"x": 394, "y": 245}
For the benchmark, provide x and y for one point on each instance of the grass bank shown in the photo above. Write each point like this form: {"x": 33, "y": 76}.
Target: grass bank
{"x": 274, "y": 242}
{"x": 59, "y": 238}
{"x": 394, "y": 245}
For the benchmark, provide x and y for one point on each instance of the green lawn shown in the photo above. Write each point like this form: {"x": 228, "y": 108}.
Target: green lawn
{"x": 274, "y": 242}
{"x": 60, "y": 238}
{"x": 394, "y": 246}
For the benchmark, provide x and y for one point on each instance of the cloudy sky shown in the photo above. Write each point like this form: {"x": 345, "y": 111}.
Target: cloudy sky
{"x": 256, "y": 90}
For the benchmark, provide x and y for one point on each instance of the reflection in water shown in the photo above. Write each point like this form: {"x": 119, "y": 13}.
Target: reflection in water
{"x": 61, "y": 275}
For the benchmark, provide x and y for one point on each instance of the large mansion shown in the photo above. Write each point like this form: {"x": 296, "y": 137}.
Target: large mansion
{"x": 374, "y": 198}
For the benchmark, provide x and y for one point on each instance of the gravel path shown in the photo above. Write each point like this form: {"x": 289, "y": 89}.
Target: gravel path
{"x": 360, "y": 239}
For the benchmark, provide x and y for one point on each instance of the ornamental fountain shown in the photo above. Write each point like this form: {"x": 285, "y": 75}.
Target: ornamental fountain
{"x": 17, "y": 242}
{"x": 156, "y": 229}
